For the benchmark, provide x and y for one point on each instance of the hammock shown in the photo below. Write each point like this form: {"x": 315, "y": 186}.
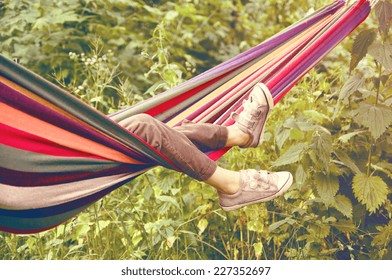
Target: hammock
{"x": 59, "y": 155}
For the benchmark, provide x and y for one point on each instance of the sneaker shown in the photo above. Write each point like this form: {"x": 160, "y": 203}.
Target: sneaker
{"x": 256, "y": 186}
{"x": 253, "y": 118}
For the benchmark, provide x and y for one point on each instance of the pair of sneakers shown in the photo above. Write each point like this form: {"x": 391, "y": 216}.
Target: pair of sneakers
{"x": 255, "y": 185}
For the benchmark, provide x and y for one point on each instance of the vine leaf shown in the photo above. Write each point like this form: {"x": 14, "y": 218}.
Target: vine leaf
{"x": 375, "y": 117}
{"x": 383, "y": 11}
{"x": 360, "y": 47}
{"x": 371, "y": 191}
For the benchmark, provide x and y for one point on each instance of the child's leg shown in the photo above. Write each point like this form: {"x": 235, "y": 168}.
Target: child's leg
{"x": 176, "y": 146}
{"x": 206, "y": 137}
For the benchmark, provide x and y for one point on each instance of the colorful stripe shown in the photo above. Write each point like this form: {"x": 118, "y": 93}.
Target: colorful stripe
{"x": 59, "y": 155}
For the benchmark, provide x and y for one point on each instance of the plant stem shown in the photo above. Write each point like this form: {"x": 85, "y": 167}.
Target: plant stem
{"x": 378, "y": 85}
{"x": 379, "y": 66}
{"x": 369, "y": 159}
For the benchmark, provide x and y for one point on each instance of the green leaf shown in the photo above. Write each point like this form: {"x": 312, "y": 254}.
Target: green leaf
{"x": 315, "y": 115}
{"x": 281, "y": 135}
{"x": 302, "y": 125}
{"x": 171, "y": 15}
{"x": 383, "y": 11}
{"x": 343, "y": 205}
{"x": 167, "y": 182}
{"x": 63, "y": 17}
{"x": 148, "y": 192}
{"x": 384, "y": 237}
{"x": 346, "y": 137}
{"x": 41, "y": 23}
{"x": 169, "y": 199}
{"x": 258, "y": 249}
{"x": 346, "y": 160}
{"x": 202, "y": 225}
{"x": 371, "y": 191}
{"x": 300, "y": 177}
{"x": 375, "y": 117}
{"x": 152, "y": 10}
{"x": 321, "y": 147}
{"x": 345, "y": 226}
{"x": 319, "y": 230}
{"x": 296, "y": 134}
{"x": 278, "y": 224}
{"x": 255, "y": 225}
{"x": 385, "y": 167}
{"x": 327, "y": 187}
{"x": 292, "y": 155}
{"x": 170, "y": 241}
{"x": 382, "y": 52}
{"x": 81, "y": 230}
{"x": 101, "y": 226}
{"x": 354, "y": 83}
{"x": 137, "y": 237}
{"x": 361, "y": 45}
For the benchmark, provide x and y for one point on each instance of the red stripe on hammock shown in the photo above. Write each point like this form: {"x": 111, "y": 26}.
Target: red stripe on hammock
{"x": 22, "y": 140}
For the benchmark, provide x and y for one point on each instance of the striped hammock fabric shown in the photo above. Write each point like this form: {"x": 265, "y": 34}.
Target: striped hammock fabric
{"x": 59, "y": 155}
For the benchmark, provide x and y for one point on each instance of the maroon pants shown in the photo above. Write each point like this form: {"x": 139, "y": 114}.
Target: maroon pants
{"x": 183, "y": 145}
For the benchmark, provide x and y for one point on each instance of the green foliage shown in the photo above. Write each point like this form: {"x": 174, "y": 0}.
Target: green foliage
{"x": 372, "y": 191}
{"x": 375, "y": 117}
{"x": 361, "y": 45}
{"x": 383, "y": 11}
{"x": 156, "y": 42}
{"x": 292, "y": 155}
{"x": 332, "y": 131}
{"x": 372, "y": 117}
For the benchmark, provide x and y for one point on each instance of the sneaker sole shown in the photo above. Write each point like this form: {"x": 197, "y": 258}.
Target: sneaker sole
{"x": 285, "y": 187}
